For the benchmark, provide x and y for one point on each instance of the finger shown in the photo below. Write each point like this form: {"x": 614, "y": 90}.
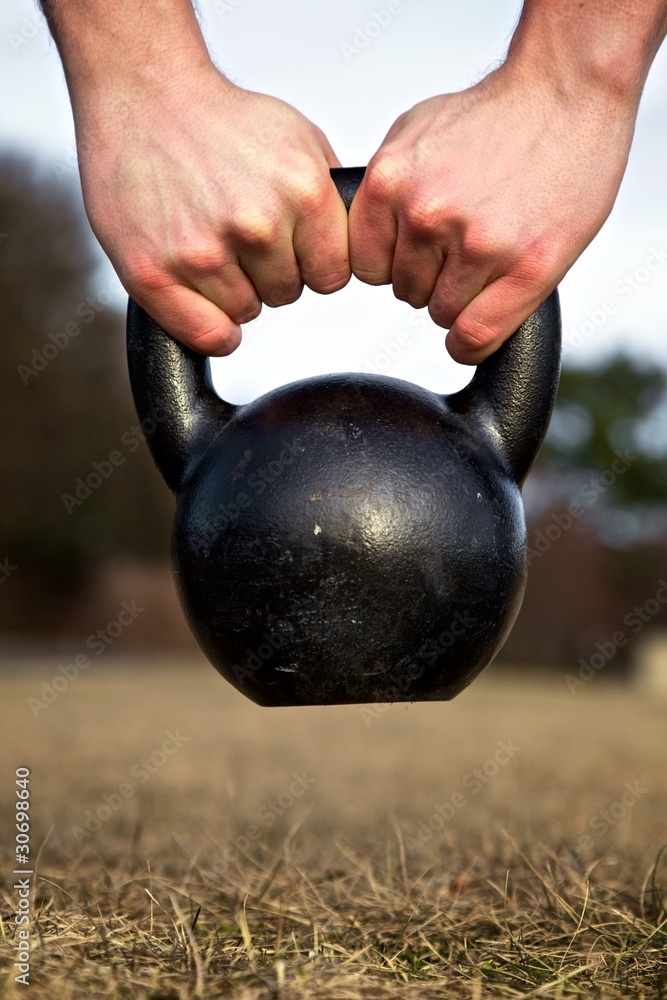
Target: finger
{"x": 321, "y": 243}
{"x": 373, "y": 231}
{"x": 492, "y": 316}
{"x": 455, "y": 288}
{"x": 415, "y": 270}
{"x": 279, "y": 259}
{"x": 273, "y": 270}
{"x": 192, "y": 319}
{"x": 212, "y": 268}
{"x": 229, "y": 288}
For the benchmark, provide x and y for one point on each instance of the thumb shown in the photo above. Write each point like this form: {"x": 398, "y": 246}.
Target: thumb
{"x": 492, "y": 316}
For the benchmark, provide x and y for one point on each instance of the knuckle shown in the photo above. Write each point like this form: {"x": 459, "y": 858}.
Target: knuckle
{"x": 372, "y": 275}
{"x": 255, "y": 228}
{"x": 146, "y": 275}
{"x": 402, "y": 293}
{"x": 383, "y": 178}
{"x": 448, "y": 299}
{"x": 534, "y": 268}
{"x": 200, "y": 260}
{"x": 214, "y": 340}
{"x": 325, "y": 276}
{"x": 250, "y": 315}
{"x": 474, "y": 335}
{"x": 442, "y": 314}
{"x": 424, "y": 216}
{"x": 311, "y": 192}
{"x": 525, "y": 265}
{"x": 324, "y": 284}
{"x": 410, "y": 293}
{"x": 479, "y": 247}
{"x": 281, "y": 294}
{"x": 244, "y": 312}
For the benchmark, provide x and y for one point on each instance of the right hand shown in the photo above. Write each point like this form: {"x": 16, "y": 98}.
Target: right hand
{"x": 477, "y": 203}
{"x": 210, "y": 200}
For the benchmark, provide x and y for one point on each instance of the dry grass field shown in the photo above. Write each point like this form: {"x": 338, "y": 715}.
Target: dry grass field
{"x": 186, "y": 843}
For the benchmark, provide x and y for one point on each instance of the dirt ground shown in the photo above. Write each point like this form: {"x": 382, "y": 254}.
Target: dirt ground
{"x": 186, "y": 842}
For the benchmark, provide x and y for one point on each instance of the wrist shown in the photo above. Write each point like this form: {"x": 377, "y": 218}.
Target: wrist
{"x": 153, "y": 51}
{"x": 584, "y": 56}
{"x": 143, "y": 91}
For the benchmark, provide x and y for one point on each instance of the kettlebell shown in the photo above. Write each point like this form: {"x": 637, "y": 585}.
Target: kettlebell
{"x": 349, "y": 538}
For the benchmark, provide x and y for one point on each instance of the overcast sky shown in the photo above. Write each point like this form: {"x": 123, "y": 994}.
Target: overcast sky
{"x": 300, "y": 50}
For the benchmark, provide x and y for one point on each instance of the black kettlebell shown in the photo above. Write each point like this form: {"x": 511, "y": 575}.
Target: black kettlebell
{"x": 349, "y": 538}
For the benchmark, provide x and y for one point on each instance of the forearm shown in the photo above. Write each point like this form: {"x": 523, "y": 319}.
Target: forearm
{"x": 109, "y": 48}
{"x": 604, "y": 45}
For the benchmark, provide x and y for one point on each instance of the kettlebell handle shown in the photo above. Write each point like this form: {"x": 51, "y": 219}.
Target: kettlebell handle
{"x": 510, "y": 397}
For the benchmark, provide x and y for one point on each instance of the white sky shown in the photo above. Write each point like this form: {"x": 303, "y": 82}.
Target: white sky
{"x": 293, "y": 50}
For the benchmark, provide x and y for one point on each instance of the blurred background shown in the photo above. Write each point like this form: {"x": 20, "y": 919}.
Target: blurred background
{"x": 70, "y": 554}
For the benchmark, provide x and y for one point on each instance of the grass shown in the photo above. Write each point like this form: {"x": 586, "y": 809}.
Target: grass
{"x": 505, "y": 844}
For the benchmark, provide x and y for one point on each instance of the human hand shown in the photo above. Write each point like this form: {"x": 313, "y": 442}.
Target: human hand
{"x": 210, "y": 200}
{"x": 477, "y": 203}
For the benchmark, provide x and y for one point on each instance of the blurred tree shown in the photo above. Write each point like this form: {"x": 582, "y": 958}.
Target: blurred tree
{"x": 607, "y": 449}
{"x": 65, "y": 406}
{"x": 597, "y": 514}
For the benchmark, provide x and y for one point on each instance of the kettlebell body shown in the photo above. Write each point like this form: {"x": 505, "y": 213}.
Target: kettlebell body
{"x": 349, "y": 538}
